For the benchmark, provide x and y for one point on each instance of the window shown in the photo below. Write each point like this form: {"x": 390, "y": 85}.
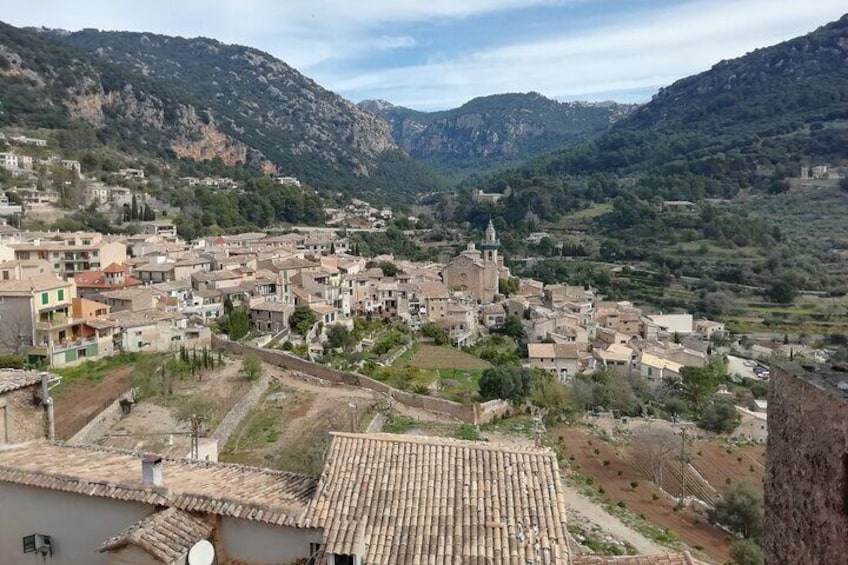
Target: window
{"x": 61, "y": 294}
{"x": 343, "y": 559}
{"x": 5, "y": 275}
{"x": 45, "y": 298}
{"x": 314, "y": 549}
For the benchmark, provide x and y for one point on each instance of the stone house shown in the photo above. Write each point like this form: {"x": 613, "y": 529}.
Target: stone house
{"x": 563, "y": 360}
{"x": 270, "y": 317}
{"x": 131, "y": 299}
{"x": 21, "y": 415}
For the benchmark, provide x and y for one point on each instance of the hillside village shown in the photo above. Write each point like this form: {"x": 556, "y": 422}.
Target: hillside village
{"x": 69, "y": 297}
{"x": 245, "y": 321}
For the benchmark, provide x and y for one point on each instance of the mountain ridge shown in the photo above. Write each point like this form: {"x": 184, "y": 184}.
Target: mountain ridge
{"x": 201, "y": 99}
{"x": 490, "y": 131}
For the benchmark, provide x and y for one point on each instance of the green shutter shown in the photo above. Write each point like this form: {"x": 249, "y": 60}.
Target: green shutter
{"x": 45, "y": 298}
{"x": 61, "y": 294}
{"x": 91, "y": 350}
{"x": 70, "y": 355}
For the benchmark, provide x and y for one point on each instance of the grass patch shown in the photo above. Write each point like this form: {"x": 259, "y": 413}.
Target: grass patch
{"x": 586, "y": 214}
{"x": 95, "y": 371}
{"x": 397, "y": 424}
{"x": 260, "y": 429}
{"x": 521, "y": 425}
{"x": 436, "y": 357}
{"x": 467, "y": 432}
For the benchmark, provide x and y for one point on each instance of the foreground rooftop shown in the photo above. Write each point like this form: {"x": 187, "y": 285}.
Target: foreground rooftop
{"x": 239, "y": 491}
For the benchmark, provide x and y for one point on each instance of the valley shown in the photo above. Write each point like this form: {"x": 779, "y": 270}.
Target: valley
{"x": 219, "y": 258}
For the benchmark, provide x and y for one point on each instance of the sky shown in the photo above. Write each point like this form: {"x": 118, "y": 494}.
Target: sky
{"x": 438, "y": 54}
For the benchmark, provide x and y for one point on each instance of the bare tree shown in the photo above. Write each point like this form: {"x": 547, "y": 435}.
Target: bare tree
{"x": 657, "y": 444}
{"x": 15, "y": 331}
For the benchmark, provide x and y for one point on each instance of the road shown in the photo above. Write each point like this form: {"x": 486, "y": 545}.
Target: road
{"x": 594, "y": 513}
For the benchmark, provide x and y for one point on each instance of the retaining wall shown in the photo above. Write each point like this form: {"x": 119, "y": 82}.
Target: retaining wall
{"x": 238, "y": 412}
{"x": 98, "y": 426}
{"x": 471, "y": 413}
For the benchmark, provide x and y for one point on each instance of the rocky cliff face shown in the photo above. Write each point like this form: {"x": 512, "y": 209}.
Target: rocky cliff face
{"x": 202, "y": 100}
{"x": 255, "y": 98}
{"x": 81, "y": 91}
{"x": 493, "y": 130}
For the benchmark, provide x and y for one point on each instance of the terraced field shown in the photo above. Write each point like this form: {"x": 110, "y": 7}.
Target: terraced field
{"x": 623, "y": 474}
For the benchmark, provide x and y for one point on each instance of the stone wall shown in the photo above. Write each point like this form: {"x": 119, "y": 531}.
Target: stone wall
{"x": 100, "y": 425}
{"x": 806, "y": 485}
{"x": 470, "y": 413}
{"x": 24, "y": 418}
{"x": 238, "y": 412}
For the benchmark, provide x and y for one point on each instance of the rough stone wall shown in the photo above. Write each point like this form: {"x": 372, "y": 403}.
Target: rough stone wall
{"x": 238, "y": 412}
{"x": 100, "y": 425}
{"x": 806, "y": 486}
{"x": 25, "y": 420}
{"x": 471, "y": 413}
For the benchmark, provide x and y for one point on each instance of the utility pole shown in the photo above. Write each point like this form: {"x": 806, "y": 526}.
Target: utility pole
{"x": 195, "y": 436}
{"x": 682, "y": 460}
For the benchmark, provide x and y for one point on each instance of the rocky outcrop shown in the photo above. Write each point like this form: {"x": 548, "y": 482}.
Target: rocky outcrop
{"x": 259, "y": 103}
{"x": 198, "y": 99}
{"x": 491, "y": 130}
{"x": 203, "y": 141}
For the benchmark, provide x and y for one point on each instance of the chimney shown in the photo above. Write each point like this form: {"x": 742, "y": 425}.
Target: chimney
{"x": 151, "y": 471}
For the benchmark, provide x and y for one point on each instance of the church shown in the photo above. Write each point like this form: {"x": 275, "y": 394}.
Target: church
{"x": 477, "y": 271}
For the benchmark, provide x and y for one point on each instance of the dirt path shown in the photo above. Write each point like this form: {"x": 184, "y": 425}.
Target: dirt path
{"x": 82, "y": 401}
{"x": 594, "y": 513}
{"x": 329, "y": 394}
{"x": 588, "y": 509}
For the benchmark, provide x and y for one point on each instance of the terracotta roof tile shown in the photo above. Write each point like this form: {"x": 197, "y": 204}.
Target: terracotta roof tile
{"x": 166, "y": 535}
{"x": 250, "y": 493}
{"x": 13, "y": 379}
{"x": 402, "y": 499}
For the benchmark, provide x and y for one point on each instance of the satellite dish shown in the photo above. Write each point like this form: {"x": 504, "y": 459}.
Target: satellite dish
{"x": 201, "y": 553}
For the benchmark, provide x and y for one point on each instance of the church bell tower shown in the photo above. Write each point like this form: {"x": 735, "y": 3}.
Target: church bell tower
{"x": 490, "y": 247}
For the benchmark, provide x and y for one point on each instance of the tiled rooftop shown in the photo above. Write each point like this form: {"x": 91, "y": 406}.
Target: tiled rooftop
{"x": 37, "y": 283}
{"x": 13, "y": 379}
{"x": 167, "y": 535}
{"x": 402, "y": 499}
{"x": 250, "y": 493}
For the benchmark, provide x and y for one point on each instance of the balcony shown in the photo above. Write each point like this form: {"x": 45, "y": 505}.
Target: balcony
{"x": 79, "y": 343}
{"x": 57, "y": 321}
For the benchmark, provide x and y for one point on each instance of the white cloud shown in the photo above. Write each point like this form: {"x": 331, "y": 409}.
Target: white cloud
{"x": 327, "y": 39}
{"x": 633, "y": 55}
{"x": 301, "y": 32}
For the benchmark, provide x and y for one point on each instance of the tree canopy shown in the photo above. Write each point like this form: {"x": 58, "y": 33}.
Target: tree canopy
{"x": 740, "y": 510}
{"x": 302, "y": 319}
{"x": 508, "y": 383}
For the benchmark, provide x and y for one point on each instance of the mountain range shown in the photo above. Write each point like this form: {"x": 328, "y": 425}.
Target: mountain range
{"x": 200, "y": 99}
{"x": 490, "y": 131}
{"x": 742, "y": 123}
{"x": 745, "y": 123}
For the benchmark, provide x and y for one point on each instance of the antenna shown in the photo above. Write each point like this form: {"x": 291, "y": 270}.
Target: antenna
{"x": 201, "y": 553}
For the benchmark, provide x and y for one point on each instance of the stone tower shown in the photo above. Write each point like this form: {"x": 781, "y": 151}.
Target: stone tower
{"x": 490, "y": 248}
{"x": 806, "y": 482}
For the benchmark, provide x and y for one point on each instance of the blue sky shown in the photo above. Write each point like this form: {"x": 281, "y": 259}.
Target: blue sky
{"x": 437, "y": 54}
